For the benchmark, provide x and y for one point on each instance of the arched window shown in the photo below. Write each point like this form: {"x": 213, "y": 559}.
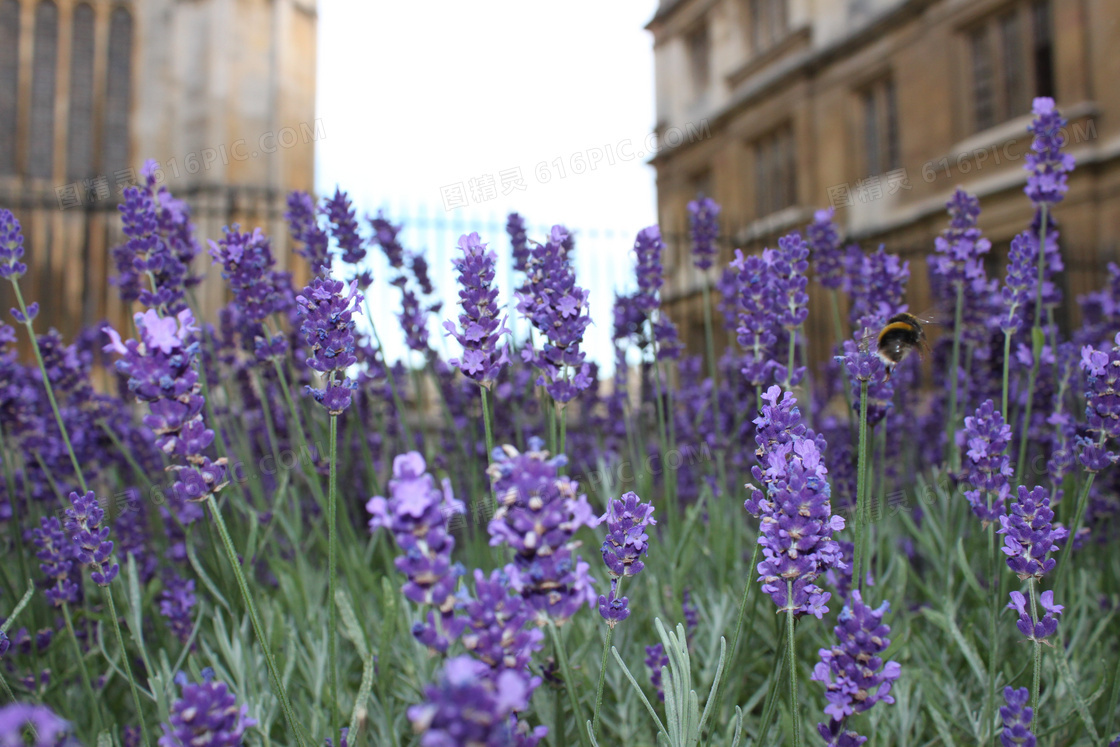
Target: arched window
{"x": 9, "y": 84}
{"x": 44, "y": 61}
{"x": 79, "y": 138}
{"x": 118, "y": 91}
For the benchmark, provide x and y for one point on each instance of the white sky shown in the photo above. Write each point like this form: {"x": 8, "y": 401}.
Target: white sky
{"x": 417, "y": 96}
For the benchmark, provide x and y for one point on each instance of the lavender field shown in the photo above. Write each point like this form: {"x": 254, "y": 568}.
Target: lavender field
{"x": 273, "y": 530}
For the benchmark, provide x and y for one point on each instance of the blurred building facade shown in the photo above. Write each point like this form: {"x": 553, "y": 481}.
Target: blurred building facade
{"x": 881, "y": 108}
{"x": 221, "y": 93}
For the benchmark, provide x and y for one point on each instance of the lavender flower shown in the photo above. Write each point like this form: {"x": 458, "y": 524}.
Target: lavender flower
{"x": 1020, "y": 289}
{"x": 538, "y": 515}
{"x": 656, "y": 658}
{"x": 328, "y": 331}
{"x": 853, "y": 673}
{"x": 413, "y": 319}
{"x": 385, "y": 234}
{"x": 205, "y": 714}
{"x": 789, "y": 263}
{"x": 824, "y": 243}
{"x": 796, "y": 518}
{"x": 344, "y": 228}
{"x": 557, "y": 307}
{"x": 465, "y": 706}
{"x": 496, "y": 627}
{"x": 153, "y": 266}
{"x": 56, "y": 550}
{"x": 48, "y": 728}
{"x": 515, "y": 227}
{"x": 1030, "y": 534}
{"x": 691, "y": 614}
{"x": 1031, "y": 629}
{"x": 627, "y": 519}
{"x": 303, "y": 222}
{"x": 986, "y": 465}
{"x": 91, "y": 540}
{"x": 483, "y": 353}
{"x": 177, "y": 600}
{"x": 863, "y": 365}
{"x": 258, "y": 289}
{"x": 649, "y": 247}
{"x": 877, "y": 286}
{"x": 1049, "y": 168}
{"x": 757, "y": 315}
{"x": 11, "y": 247}
{"x": 160, "y": 371}
{"x": 1016, "y": 717}
{"x": 1102, "y": 406}
{"x": 417, "y": 512}
{"x": 960, "y": 248}
{"x": 703, "y": 218}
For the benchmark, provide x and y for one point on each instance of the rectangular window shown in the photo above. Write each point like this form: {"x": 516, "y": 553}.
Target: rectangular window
{"x": 1042, "y": 48}
{"x": 880, "y": 128}
{"x": 983, "y": 99}
{"x": 1011, "y": 62}
{"x": 699, "y": 57}
{"x": 769, "y": 23}
{"x": 775, "y": 172}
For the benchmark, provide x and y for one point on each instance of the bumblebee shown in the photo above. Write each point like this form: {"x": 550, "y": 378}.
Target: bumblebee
{"x": 902, "y": 334}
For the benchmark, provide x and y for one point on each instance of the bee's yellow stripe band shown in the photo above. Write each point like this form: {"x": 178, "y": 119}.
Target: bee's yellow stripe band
{"x": 903, "y": 326}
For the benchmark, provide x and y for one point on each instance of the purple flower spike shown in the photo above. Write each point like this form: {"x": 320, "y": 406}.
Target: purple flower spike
{"x": 1049, "y": 168}
{"x": 32, "y": 312}
{"x": 49, "y": 729}
{"x": 344, "y": 228}
{"x": 648, "y": 247}
{"x": 11, "y": 247}
{"x": 539, "y": 512}
{"x": 757, "y": 317}
{"x": 853, "y": 673}
{"x": 56, "y": 550}
{"x": 417, "y": 513}
{"x": 1031, "y": 629}
{"x": 986, "y": 465}
{"x": 303, "y": 222}
{"x": 612, "y": 608}
{"x": 863, "y": 365}
{"x": 703, "y": 218}
{"x": 558, "y": 309}
{"x": 824, "y": 245}
{"x": 385, "y": 234}
{"x": 519, "y": 241}
{"x": 481, "y": 329}
{"x": 796, "y": 517}
{"x": 328, "y": 330}
{"x": 1102, "y": 406}
{"x": 207, "y": 713}
{"x": 497, "y": 628}
{"x": 91, "y": 540}
{"x": 656, "y": 658}
{"x": 177, "y": 600}
{"x": 627, "y": 519}
{"x": 1016, "y": 717}
{"x": 1030, "y": 534}
{"x": 465, "y": 706}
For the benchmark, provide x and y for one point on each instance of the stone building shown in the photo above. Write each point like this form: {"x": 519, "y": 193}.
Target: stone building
{"x": 220, "y": 92}
{"x": 881, "y": 108}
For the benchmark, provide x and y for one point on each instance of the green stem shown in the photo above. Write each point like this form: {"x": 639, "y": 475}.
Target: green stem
{"x": 562, "y": 419}
{"x": 332, "y": 572}
{"x": 792, "y": 353}
{"x": 951, "y": 424}
{"x": 603, "y": 667}
{"x": 485, "y": 393}
{"x": 1006, "y": 374}
{"x": 1044, "y": 217}
{"x": 861, "y": 488}
{"x": 771, "y": 699}
{"x": 709, "y": 342}
{"x": 1037, "y": 678}
{"x": 993, "y": 616}
{"x": 49, "y": 388}
{"x": 1025, "y": 433}
{"x": 258, "y": 628}
{"x": 127, "y": 666}
{"x": 793, "y": 707}
{"x": 87, "y": 683}
{"x": 569, "y": 684}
